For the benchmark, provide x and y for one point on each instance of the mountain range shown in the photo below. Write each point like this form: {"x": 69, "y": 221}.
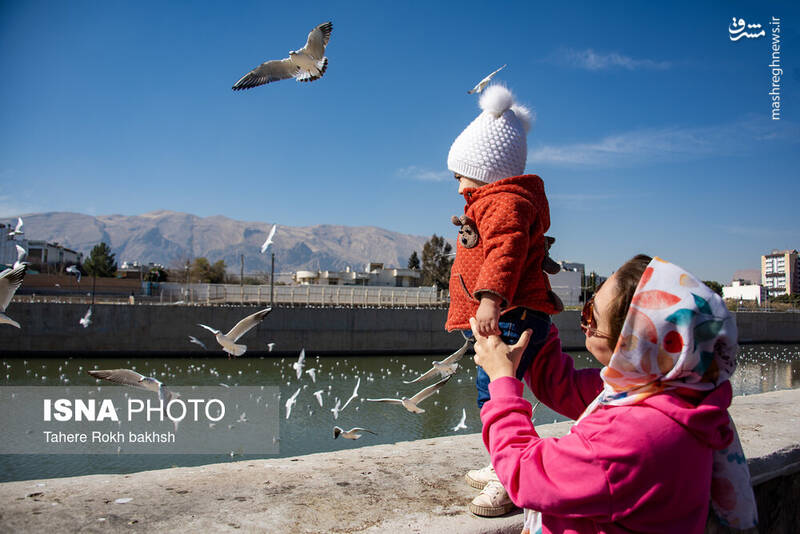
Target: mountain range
{"x": 171, "y": 238}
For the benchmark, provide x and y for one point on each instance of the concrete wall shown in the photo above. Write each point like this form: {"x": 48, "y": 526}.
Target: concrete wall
{"x": 126, "y": 329}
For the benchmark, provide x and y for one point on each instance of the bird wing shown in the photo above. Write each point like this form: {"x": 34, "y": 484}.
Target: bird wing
{"x": 463, "y": 417}
{"x": 302, "y": 357}
{"x": 88, "y": 314}
{"x": 10, "y": 280}
{"x": 21, "y": 253}
{"x": 296, "y": 393}
{"x": 269, "y": 71}
{"x": 317, "y": 40}
{"x": 354, "y": 395}
{"x": 457, "y": 355}
{"x": 212, "y": 330}
{"x": 427, "y": 374}
{"x": 268, "y": 242}
{"x": 197, "y": 342}
{"x": 127, "y": 377}
{"x": 19, "y": 223}
{"x": 359, "y": 429}
{"x": 244, "y": 326}
{"x": 430, "y": 390}
{"x": 390, "y": 401}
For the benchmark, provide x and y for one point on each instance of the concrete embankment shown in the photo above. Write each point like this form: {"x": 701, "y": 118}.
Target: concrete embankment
{"x": 403, "y": 487}
{"x": 141, "y": 329}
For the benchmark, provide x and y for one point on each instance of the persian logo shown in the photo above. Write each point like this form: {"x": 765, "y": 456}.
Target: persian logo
{"x": 737, "y": 28}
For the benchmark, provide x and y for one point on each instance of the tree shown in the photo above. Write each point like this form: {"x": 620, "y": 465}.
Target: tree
{"x": 716, "y": 287}
{"x": 436, "y": 262}
{"x": 203, "y": 271}
{"x": 413, "y": 261}
{"x": 100, "y": 262}
{"x": 156, "y": 274}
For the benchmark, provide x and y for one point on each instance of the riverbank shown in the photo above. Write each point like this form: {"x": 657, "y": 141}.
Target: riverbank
{"x": 141, "y": 330}
{"x": 412, "y": 486}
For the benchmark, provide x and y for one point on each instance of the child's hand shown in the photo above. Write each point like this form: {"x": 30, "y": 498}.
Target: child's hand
{"x": 488, "y": 315}
{"x": 497, "y": 358}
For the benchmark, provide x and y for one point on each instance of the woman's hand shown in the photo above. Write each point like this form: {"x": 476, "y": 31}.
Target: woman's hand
{"x": 497, "y": 358}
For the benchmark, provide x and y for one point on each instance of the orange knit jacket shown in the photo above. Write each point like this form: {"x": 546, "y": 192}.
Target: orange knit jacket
{"x": 511, "y": 216}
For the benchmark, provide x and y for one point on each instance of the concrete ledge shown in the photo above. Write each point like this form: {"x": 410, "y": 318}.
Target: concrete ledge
{"x": 404, "y": 487}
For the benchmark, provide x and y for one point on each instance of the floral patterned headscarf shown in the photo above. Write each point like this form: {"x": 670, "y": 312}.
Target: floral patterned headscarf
{"x": 678, "y": 333}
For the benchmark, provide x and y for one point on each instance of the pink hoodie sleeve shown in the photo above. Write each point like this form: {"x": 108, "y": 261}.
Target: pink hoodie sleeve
{"x": 560, "y": 476}
{"x": 557, "y": 384}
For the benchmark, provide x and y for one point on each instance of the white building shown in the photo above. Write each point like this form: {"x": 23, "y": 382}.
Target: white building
{"x": 373, "y": 275}
{"x": 742, "y": 290}
{"x": 567, "y": 285}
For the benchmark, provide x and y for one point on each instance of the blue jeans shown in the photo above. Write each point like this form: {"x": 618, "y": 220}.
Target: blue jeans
{"x": 512, "y": 325}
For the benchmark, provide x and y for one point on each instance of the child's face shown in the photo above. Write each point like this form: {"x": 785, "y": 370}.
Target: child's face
{"x": 464, "y": 182}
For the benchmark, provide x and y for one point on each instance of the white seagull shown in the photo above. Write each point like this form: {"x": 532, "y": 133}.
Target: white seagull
{"x": 196, "y": 341}
{"x": 353, "y": 433}
{"x": 228, "y": 341}
{"x": 270, "y": 346}
{"x": 290, "y": 402}
{"x": 445, "y": 367}
{"x": 411, "y": 404}
{"x": 300, "y": 363}
{"x": 336, "y": 409}
{"x": 21, "y": 255}
{"x": 268, "y": 242}
{"x": 305, "y": 65}
{"x": 318, "y": 395}
{"x": 313, "y": 374}
{"x": 73, "y": 269}
{"x": 127, "y": 377}
{"x": 484, "y": 82}
{"x": 354, "y": 395}
{"x": 18, "y": 230}
{"x": 10, "y": 280}
{"x": 86, "y": 320}
{"x": 463, "y": 423}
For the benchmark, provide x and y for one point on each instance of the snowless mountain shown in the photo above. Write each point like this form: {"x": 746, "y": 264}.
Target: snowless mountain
{"x": 170, "y": 238}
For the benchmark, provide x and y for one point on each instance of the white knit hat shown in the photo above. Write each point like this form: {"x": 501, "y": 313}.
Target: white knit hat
{"x": 494, "y": 145}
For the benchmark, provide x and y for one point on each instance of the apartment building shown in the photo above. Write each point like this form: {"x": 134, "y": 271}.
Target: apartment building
{"x": 780, "y": 273}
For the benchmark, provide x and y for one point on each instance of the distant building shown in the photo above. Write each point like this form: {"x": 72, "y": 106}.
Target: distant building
{"x": 572, "y": 266}
{"x": 373, "y": 275}
{"x": 51, "y": 257}
{"x": 751, "y": 276}
{"x": 780, "y": 273}
{"x": 568, "y": 286}
{"x": 134, "y": 269}
{"x": 744, "y": 290}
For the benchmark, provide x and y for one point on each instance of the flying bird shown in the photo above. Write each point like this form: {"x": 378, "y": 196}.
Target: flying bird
{"x": 126, "y": 377}
{"x": 353, "y": 433}
{"x": 300, "y": 363}
{"x": 336, "y": 409}
{"x": 228, "y": 341}
{"x": 318, "y": 395}
{"x": 86, "y": 320}
{"x": 484, "y": 82}
{"x": 18, "y": 230}
{"x": 268, "y": 242}
{"x": 291, "y": 402}
{"x": 72, "y": 269}
{"x": 445, "y": 367}
{"x": 305, "y": 65}
{"x": 21, "y": 255}
{"x": 354, "y": 395}
{"x": 270, "y": 346}
{"x": 10, "y": 280}
{"x": 313, "y": 374}
{"x": 463, "y": 423}
{"x": 196, "y": 341}
{"x": 411, "y": 404}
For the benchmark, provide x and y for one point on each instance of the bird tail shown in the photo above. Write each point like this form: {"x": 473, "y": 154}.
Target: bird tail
{"x": 5, "y": 319}
{"x": 238, "y": 350}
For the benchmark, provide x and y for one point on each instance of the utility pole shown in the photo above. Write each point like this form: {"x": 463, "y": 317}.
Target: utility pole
{"x": 272, "y": 283}
{"x": 241, "y": 279}
{"x": 186, "y": 296}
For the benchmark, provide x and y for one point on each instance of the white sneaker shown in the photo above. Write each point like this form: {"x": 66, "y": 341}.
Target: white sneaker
{"x": 492, "y": 501}
{"x": 478, "y": 478}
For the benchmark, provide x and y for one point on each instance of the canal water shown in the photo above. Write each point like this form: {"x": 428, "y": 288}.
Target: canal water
{"x": 761, "y": 368}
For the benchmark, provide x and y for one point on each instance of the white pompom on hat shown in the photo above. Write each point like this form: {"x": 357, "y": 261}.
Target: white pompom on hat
{"x": 494, "y": 146}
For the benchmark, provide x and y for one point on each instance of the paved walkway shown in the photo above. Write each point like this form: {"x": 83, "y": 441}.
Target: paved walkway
{"x": 414, "y": 487}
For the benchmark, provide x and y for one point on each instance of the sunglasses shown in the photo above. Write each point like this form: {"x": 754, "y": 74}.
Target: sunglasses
{"x": 588, "y": 322}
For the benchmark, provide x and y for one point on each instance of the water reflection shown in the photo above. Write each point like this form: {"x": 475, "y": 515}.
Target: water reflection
{"x": 762, "y": 368}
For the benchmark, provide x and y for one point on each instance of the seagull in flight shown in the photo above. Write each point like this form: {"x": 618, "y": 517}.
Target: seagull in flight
{"x": 73, "y": 269}
{"x": 300, "y": 363}
{"x": 411, "y": 404}
{"x": 268, "y": 242}
{"x": 305, "y": 65}
{"x": 354, "y": 395}
{"x": 313, "y": 374}
{"x": 291, "y": 402}
{"x": 127, "y": 377}
{"x": 484, "y": 82}
{"x": 270, "y": 346}
{"x": 445, "y": 367}
{"x": 318, "y": 395}
{"x": 18, "y": 230}
{"x": 21, "y": 255}
{"x": 336, "y": 409}
{"x": 196, "y": 341}
{"x": 86, "y": 320}
{"x": 463, "y": 423}
{"x": 228, "y": 341}
{"x": 10, "y": 280}
{"x": 353, "y": 433}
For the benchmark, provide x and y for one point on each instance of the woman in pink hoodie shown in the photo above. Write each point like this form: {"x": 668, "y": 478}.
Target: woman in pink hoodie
{"x": 653, "y": 442}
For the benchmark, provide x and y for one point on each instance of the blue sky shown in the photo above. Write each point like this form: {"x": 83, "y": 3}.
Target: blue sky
{"x": 653, "y": 128}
